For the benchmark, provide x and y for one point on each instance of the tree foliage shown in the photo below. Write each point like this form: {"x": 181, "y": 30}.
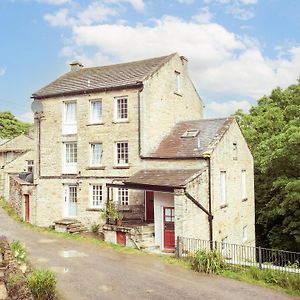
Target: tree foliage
{"x": 11, "y": 127}
{"x": 272, "y": 130}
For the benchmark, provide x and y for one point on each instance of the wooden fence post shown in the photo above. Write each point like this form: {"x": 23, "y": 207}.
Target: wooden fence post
{"x": 259, "y": 258}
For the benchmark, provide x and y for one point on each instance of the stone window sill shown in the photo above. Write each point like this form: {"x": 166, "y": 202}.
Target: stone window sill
{"x": 223, "y": 206}
{"x": 121, "y": 167}
{"x": 120, "y": 121}
{"x": 92, "y": 124}
{"x": 178, "y": 94}
{"x": 95, "y": 168}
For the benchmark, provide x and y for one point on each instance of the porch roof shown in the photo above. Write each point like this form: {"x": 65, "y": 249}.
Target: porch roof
{"x": 157, "y": 179}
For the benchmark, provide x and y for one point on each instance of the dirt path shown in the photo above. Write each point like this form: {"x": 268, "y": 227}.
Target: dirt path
{"x": 91, "y": 272}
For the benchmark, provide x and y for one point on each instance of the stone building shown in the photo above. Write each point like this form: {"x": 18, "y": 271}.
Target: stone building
{"x": 134, "y": 134}
{"x": 16, "y": 155}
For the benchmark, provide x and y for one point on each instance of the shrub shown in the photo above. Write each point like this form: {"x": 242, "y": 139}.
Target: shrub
{"x": 19, "y": 252}
{"x": 208, "y": 262}
{"x": 42, "y": 284}
{"x": 95, "y": 228}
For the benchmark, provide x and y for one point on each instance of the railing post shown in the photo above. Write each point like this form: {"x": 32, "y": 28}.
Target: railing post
{"x": 178, "y": 247}
{"x": 259, "y": 258}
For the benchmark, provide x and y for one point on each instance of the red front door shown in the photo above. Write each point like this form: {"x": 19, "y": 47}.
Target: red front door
{"x": 169, "y": 231}
{"x": 149, "y": 206}
{"x": 26, "y": 208}
{"x": 121, "y": 238}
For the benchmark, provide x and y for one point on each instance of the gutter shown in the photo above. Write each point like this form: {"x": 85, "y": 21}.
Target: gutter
{"x": 139, "y": 119}
{"x": 210, "y": 218}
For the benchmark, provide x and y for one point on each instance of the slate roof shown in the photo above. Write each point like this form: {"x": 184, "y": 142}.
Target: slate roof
{"x": 176, "y": 146}
{"x": 102, "y": 78}
{"x": 165, "y": 178}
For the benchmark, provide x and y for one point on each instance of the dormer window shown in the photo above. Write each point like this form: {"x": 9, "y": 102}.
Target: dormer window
{"x": 190, "y": 133}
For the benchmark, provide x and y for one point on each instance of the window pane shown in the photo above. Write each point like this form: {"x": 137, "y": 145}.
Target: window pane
{"x": 71, "y": 152}
{"x": 72, "y": 194}
{"x": 123, "y": 198}
{"x": 96, "y": 154}
{"x": 96, "y": 196}
{"x": 70, "y": 109}
{"x": 122, "y": 153}
{"x": 122, "y": 109}
{"x": 96, "y": 107}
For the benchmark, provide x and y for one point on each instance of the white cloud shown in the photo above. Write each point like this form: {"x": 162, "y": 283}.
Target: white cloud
{"x": 136, "y": 4}
{"x": 240, "y": 13}
{"x": 204, "y": 16}
{"x": 26, "y": 117}
{"x": 60, "y": 18}
{"x": 221, "y": 63}
{"x": 55, "y": 2}
{"x": 2, "y": 71}
{"x": 224, "y": 109}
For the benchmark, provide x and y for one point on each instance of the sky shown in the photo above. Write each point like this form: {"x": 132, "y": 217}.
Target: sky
{"x": 238, "y": 50}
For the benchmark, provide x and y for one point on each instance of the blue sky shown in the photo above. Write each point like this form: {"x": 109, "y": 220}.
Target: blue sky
{"x": 238, "y": 50}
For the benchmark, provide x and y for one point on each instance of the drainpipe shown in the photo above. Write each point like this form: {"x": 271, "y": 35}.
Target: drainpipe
{"x": 139, "y": 118}
{"x": 210, "y": 217}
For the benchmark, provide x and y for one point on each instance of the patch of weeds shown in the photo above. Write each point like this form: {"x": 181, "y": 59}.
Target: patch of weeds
{"x": 14, "y": 281}
{"x": 95, "y": 228}
{"x": 18, "y": 251}
{"x": 185, "y": 263}
{"x": 208, "y": 262}
{"x": 42, "y": 284}
{"x": 9, "y": 210}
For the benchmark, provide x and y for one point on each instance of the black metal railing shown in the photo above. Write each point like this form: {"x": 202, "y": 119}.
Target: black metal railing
{"x": 242, "y": 256}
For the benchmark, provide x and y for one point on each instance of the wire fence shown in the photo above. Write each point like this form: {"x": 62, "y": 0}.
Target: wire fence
{"x": 240, "y": 256}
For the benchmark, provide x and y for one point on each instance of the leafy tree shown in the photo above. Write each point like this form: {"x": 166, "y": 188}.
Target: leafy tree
{"x": 11, "y": 127}
{"x": 272, "y": 130}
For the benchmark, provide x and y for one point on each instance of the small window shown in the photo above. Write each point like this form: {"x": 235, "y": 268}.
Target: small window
{"x": 71, "y": 153}
{"x": 234, "y": 148}
{"x": 121, "y": 109}
{"x": 245, "y": 237}
{"x": 123, "y": 196}
{"x": 96, "y": 154}
{"x": 30, "y": 166}
{"x": 122, "y": 153}
{"x": 223, "y": 200}
{"x": 70, "y": 118}
{"x": 191, "y": 133}
{"x": 178, "y": 82}
{"x": 96, "y": 111}
{"x": 70, "y": 158}
{"x": 96, "y": 194}
{"x": 244, "y": 185}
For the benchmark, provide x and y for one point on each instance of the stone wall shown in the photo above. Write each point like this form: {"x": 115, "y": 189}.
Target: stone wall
{"x": 230, "y": 219}
{"x": 17, "y": 192}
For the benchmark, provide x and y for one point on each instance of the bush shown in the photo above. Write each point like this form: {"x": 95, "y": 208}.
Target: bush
{"x": 42, "y": 284}
{"x": 282, "y": 279}
{"x": 95, "y": 228}
{"x": 208, "y": 262}
{"x": 19, "y": 252}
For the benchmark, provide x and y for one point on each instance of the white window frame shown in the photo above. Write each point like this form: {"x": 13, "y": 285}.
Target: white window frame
{"x": 244, "y": 185}
{"x": 223, "y": 188}
{"x": 178, "y": 82}
{"x": 96, "y": 197}
{"x": 117, "y": 117}
{"x": 92, "y": 163}
{"x": 93, "y": 120}
{"x": 69, "y": 167}
{"x": 121, "y": 163}
{"x": 69, "y": 127}
{"x": 123, "y": 196}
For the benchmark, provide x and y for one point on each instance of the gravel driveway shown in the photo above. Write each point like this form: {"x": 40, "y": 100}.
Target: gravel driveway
{"x": 87, "y": 272}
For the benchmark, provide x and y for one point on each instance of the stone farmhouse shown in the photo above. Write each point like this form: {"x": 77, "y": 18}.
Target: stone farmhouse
{"x": 16, "y": 155}
{"x": 133, "y": 134}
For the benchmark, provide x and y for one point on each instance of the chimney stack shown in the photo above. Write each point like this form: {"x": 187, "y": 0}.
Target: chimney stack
{"x": 75, "y": 66}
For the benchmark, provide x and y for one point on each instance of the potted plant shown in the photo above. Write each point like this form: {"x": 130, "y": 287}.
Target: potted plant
{"x": 112, "y": 214}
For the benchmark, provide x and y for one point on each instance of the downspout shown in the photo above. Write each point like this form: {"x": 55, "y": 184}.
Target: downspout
{"x": 210, "y": 217}
{"x": 139, "y": 119}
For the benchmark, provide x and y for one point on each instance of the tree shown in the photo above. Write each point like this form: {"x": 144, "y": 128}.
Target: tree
{"x": 10, "y": 126}
{"x": 272, "y": 130}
